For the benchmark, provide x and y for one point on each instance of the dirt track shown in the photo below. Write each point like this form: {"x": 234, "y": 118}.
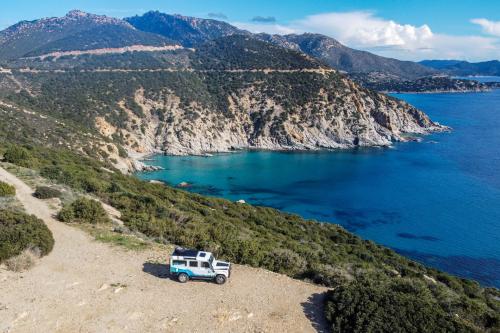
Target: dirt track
{"x": 87, "y": 286}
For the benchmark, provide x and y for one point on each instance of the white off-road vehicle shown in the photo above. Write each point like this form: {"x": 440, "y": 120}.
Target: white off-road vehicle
{"x": 193, "y": 264}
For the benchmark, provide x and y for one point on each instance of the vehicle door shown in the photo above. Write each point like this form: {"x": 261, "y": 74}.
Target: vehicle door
{"x": 206, "y": 269}
{"x": 198, "y": 269}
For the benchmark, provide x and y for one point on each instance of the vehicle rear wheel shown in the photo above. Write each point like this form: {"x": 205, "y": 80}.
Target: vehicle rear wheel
{"x": 182, "y": 277}
{"x": 220, "y": 279}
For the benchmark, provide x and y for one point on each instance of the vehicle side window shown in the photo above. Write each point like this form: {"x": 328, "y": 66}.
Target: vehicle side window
{"x": 205, "y": 265}
{"x": 193, "y": 264}
{"x": 179, "y": 263}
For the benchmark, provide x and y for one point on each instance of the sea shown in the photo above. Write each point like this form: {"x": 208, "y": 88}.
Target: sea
{"x": 436, "y": 201}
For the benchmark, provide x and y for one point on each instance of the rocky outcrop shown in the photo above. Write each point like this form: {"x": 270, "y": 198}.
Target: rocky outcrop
{"x": 352, "y": 117}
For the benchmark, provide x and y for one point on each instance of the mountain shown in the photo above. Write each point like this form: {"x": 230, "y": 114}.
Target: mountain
{"x": 231, "y": 92}
{"x": 75, "y": 31}
{"x": 465, "y": 68}
{"x": 188, "y": 31}
{"x": 343, "y": 58}
{"x": 235, "y": 92}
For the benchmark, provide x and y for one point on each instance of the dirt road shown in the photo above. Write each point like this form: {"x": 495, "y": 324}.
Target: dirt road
{"x": 88, "y": 286}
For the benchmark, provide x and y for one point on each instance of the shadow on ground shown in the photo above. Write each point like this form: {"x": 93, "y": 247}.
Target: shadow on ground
{"x": 314, "y": 311}
{"x": 161, "y": 271}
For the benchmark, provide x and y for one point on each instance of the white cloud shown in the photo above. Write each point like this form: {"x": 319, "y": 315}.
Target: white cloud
{"x": 489, "y": 27}
{"x": 364, "y": 30}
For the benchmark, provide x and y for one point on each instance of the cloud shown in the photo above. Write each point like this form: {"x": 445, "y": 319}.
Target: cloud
{"x": 366, "y": 31}
{"x": 489, "y": 27}
{"x": 264, "y": 19}
{"x": 220, "y": 16}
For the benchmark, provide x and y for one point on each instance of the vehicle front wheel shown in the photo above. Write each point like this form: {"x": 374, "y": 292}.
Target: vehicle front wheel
{"x": 182, "y": 277}
{"x": 220, "y": 279}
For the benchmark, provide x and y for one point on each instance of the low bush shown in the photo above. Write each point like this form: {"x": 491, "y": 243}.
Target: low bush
{"x": 24, "y": 261}
{"x": 84, "y": 210}
{"x": 19, "y": 231}
{"x": 45, "y": 192}
{"x": 18, "y": 155}
{"x": 398, "y": 305}
{"x": 7, "y": 190}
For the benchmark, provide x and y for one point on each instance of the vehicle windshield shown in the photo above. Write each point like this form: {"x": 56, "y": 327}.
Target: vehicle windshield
{"x": 210, "y": 260}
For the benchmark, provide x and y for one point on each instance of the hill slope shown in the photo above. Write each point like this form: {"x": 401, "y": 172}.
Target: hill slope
{"x": 84, "y": 285}
{"x": 343, "y": 58}
{"x": 190, "y": 31}
{"x": 233, "y": 93}
{"x": 75, "y": 31}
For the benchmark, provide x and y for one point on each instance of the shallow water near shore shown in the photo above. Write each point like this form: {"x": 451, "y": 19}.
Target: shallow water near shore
{"x": 437, "y": 201}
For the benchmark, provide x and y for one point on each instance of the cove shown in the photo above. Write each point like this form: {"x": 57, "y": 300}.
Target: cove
{"x": 436, "y": 201}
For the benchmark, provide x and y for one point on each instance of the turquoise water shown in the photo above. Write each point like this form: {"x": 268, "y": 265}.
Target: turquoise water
{"x": 437, "y": 201}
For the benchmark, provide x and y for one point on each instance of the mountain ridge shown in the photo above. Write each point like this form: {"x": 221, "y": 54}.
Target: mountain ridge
{"x": 465, "y": 68}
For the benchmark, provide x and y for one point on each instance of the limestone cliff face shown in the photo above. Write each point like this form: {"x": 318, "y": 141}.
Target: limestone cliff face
{"x": 340, "y": 118}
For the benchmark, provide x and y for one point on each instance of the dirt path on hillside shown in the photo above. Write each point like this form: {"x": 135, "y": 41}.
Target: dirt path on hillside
{"x": 87, "y": 286}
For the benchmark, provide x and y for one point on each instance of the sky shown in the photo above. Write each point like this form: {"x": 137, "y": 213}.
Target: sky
{"x": 408, "y": 30}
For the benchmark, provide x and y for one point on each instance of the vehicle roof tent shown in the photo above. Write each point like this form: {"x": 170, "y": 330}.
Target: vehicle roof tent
{"x": 181, "y": 253}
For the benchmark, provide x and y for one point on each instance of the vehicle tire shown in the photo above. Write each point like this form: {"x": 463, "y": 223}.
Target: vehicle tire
{"x": 220, "y": 279}
{"x": 182, "y": 277}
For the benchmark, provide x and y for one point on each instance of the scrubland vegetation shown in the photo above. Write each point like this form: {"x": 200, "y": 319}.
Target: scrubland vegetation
{"x": 375, "y": 288}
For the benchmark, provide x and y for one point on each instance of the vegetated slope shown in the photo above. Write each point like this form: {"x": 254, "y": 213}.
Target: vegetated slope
{"x": 343, "y": 58}
{"x": 77, "y": 30}
{"x": 425, "y": 84}
{"x": 106, "y": 36}
{"x": 285, "y": 243}
{"x": 465, "y": 68}
{"x": 189, "y": 31}
{"x": 232, "y": 93}
{"x": 86, "y": 285}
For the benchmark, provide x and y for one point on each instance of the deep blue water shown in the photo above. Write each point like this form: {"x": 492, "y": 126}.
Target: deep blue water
{"x": 437, "y": 201}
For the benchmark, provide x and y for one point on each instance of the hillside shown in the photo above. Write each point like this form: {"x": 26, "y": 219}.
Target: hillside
{"x": 465, "y": 68}
{"x": 190, "y": 31}
{"x": 75, "y": 31}
{"x": 401, "y": 290}
{"x": 85, "y": 285}
{"x": 343, "y": 58}
{"x": 235, "y": 92}
{"x": 430, "y": 84}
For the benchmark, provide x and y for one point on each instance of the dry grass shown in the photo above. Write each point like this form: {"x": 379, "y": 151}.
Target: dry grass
{"x": 23, "y": 261}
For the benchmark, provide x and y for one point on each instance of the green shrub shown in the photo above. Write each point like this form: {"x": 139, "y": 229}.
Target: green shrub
{"x": 19, "y": 231}
{"x": 18, "y": 155}
{"x": 7, "y": 190}
{"x": 84, "y": 210}
{"x": 45, "y": 192}
{"x": 396, "y": 306}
